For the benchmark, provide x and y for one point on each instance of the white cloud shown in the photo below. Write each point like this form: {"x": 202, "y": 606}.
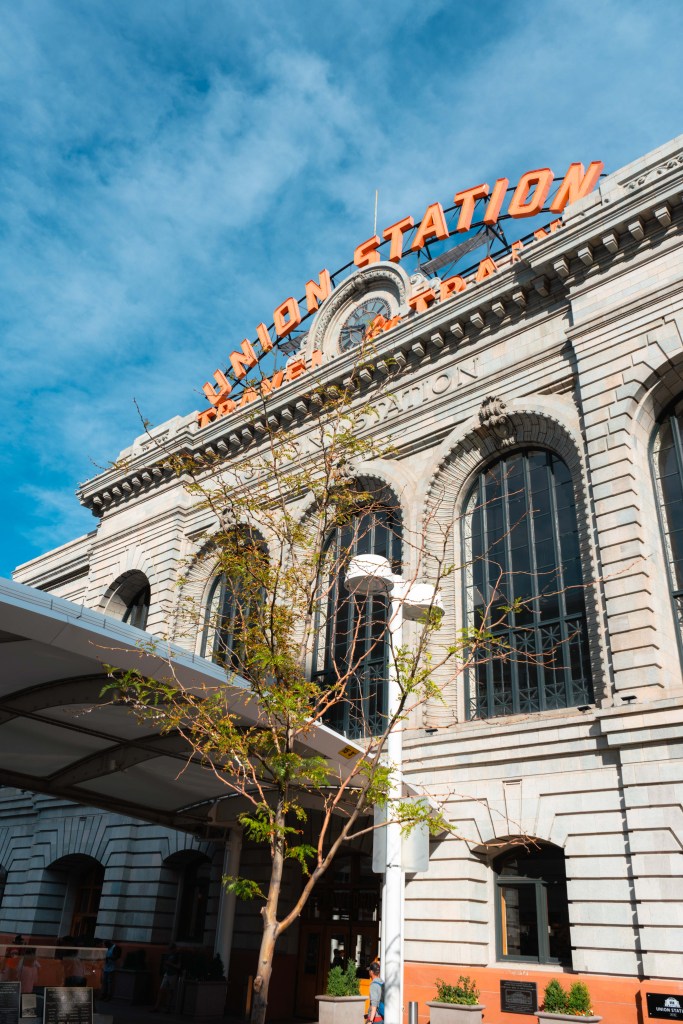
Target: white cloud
{"x": 172, "y": 171}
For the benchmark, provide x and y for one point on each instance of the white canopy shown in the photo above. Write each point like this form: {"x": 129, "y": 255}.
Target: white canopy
{"x": 59, "y": 736}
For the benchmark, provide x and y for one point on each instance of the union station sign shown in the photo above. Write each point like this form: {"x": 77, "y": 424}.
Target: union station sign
{"x": 528, "y": 198}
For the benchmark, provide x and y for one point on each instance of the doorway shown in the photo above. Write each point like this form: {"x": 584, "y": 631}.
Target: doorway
{"x": 339, "y": 923}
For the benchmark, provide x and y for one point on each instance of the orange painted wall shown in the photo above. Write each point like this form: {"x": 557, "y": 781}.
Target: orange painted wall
{"x": 616, "y": 1000}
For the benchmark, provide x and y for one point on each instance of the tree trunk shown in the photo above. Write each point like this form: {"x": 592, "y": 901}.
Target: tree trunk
{"x": 264, "y": 972}
{"x": 264, "y": 968}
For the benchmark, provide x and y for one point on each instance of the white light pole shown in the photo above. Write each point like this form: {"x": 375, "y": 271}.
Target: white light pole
{"x": 366, "y": 575}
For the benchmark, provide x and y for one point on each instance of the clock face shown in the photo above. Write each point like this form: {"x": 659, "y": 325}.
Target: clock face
{"x": 354, "y": 327}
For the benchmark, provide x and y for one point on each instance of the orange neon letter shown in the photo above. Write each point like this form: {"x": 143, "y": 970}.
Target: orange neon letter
{"x": 205, "y": 416}
{"x": 496, "y": 201}
{"x": 273, "y": 383}
{"x": 467, "y": 201}
{"x": 317, "y": 293}
{"x": 433, "y": 225}
{"x": 316, "y": 358}
{"x": 295, "y": 368}
{"x": 576, "y": 184}
{"x": 422, "y": 300}
{"x": 451, "y": 286}
{"x": 224, "y": 388}
{"x": 531, "y": 193}
{"x": 366, "y": 253}
{"x": 264, "y": 338}
{"x": 286, "y": 317}
{"x": 244, "y": 360}
{"x": 486, "y": 269}
{"x": 395, "y": 232}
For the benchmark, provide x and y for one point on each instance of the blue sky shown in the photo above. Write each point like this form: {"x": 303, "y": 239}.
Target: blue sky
{"x": 173, "y": 169}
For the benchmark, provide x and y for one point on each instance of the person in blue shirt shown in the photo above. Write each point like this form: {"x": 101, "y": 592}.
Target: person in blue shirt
{"x": 376, "y": 1011}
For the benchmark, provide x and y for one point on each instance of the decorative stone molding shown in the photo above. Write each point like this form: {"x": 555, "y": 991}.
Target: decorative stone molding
{"x": 495, "y": 421}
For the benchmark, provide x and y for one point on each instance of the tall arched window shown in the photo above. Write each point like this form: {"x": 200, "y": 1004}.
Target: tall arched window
{"x": 532, "y": 913}
{"x": 351, "y": 632}
{"x": 235, "y": 596}
{"x": 523, "y": 582}
{"x": 129, "y": 599}
{"x": 222, "y": 608}
{"x": 667, "y": 458}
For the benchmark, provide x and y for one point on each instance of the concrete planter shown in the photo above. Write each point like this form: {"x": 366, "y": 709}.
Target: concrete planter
{"x": 341, "y": 1009}
{"x": 542, "y": 1015}
{"x": 204, "y": 998}
{"x": 455, "y": 1013}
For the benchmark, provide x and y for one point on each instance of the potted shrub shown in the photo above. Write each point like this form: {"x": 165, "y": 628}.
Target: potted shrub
{"x": 133, "y": 981}
{"x": 558, "y": 1004}
{"x": 205, "y": 988}
{"x": 456, "y": 1004}
{"x": 342, "y": 1003}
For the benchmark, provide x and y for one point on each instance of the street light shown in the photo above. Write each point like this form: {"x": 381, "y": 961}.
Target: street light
{"x": 366, "y": 575}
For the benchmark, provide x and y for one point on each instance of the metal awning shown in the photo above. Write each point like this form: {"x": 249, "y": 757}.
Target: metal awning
{"x": 59, "y": 736}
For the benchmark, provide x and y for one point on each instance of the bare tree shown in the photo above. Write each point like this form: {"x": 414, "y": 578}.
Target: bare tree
{"x": 285, "y": 522}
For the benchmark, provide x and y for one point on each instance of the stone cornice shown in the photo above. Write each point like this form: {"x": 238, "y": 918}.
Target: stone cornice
{"x": 634, "y": 202}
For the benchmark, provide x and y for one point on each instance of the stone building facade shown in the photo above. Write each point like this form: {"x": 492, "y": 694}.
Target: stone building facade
{"x": 562, "y": 370}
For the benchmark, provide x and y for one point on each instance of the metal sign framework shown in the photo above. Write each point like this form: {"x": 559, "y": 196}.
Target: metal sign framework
{"x": 438, "y": 259}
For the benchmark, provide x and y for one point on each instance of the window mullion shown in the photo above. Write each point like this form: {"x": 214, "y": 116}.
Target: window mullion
{"x": 485, "y": 582}
{"x": 560, "y": 587}
{"x": 507, "y": 570}
{"x": 538, "y": 662}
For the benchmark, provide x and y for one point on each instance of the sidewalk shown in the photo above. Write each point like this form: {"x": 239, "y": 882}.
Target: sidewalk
{"x": 124, "y": 1013}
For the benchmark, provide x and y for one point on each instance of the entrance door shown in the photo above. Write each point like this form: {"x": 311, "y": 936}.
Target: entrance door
{"x": 340, "y": 922}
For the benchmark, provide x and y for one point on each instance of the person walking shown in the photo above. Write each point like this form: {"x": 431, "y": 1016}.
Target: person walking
{"x": 111, "y": 956}
{"x": 376, "y": 1011}
{"x": 172, "y": 965}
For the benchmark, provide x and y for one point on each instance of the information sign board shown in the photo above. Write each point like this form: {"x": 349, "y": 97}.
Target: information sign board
{"x": 664, "y": 1007}
{"x": 518, "y": 997}
{"x": 10, "y": 1002}
{"x": 68, "y": 1006}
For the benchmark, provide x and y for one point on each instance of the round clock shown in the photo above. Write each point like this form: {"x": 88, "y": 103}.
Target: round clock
{"x": 354, "y": 327}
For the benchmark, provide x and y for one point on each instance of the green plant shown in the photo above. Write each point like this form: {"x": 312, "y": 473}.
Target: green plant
{"x": 575, "y": 1003}
{"x": 342, "y": 982}
{"x": 555, "y": 997}
{"x": 579, "y": 1001}
{"x": 465, "y": 992}
{"x": 201, "y": 966}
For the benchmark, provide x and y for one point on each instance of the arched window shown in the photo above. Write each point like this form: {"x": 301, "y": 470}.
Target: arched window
{"x": 351, "y": 648}
{"x": 137, "y": 607}
{"x": 667, "y": 458}
{"x": 129, "y": 599}
{"x": 523, "y": 582}
{"x": 218, "y": 640}
{"x": 70, "y": 899}
{"x": 234, "y": 600}
{"x": 532, "y": 914}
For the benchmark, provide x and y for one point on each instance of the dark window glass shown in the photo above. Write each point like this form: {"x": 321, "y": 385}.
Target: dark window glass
{"x": 668, "y": 471}
{"x": 87, "y": 895}
{"x": 137, "y": 608}
{"x": 194, "y": 897}
{"x": 231, "y": 611}
{"x": 351, "y": 631}
{"x": 523, "y": 581}
{"x": 532, "y": 915}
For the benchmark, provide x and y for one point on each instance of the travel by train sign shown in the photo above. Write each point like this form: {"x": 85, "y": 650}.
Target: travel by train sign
{"x": 481, "y": 207}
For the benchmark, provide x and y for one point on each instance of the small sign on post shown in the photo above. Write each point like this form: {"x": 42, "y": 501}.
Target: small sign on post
{"x": 518, "y": 997}
{"x": 68, "y": 1006}
{"x": 10, "y": 1002}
